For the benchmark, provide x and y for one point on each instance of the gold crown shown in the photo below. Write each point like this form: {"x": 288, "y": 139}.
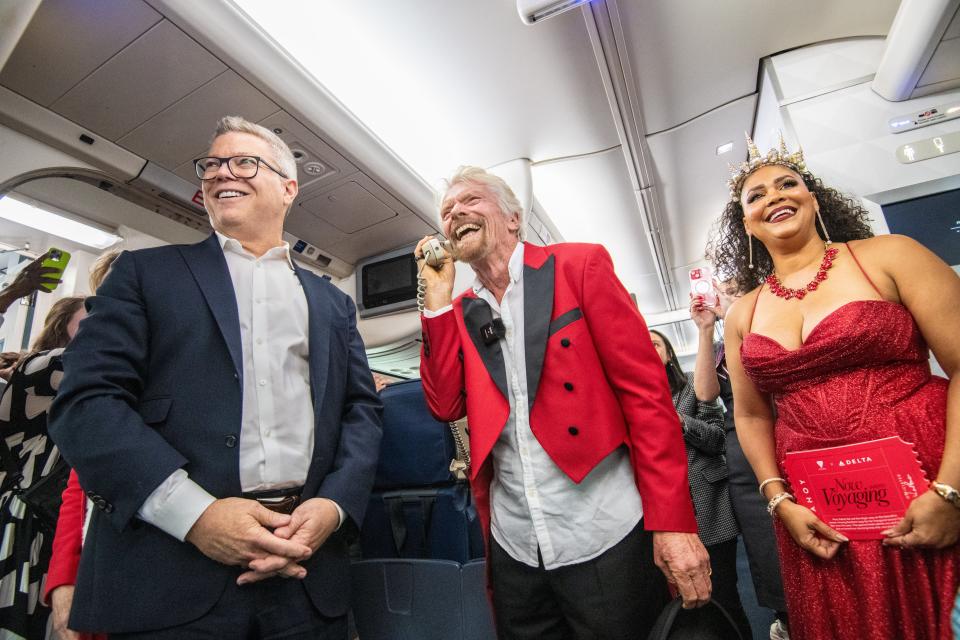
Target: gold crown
{"x": 778, "y": 155}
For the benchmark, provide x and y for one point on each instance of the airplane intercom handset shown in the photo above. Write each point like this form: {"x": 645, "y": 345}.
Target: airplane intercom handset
{"x": 434, "y": 251}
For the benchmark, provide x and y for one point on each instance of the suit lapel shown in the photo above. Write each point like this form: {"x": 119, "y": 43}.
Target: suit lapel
{"x": 476, "y": 314}
{"x": 205, "y": 260}
{"x": 318, "y": 319}
{"x": 537, "y": 309}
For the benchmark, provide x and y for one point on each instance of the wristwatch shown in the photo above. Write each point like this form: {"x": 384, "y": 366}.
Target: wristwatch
{"x": 947, "y": 492}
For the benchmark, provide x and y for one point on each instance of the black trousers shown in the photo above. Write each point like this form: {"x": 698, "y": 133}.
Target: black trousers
{"x": 723, "y": 563}
{"x": 271, "y": 609}
{"x": 616, "y": 596}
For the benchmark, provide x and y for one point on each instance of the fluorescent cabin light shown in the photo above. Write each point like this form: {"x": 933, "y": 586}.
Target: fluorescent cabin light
{"x": 724, "y": 148}
{"x": 56, "y": 225}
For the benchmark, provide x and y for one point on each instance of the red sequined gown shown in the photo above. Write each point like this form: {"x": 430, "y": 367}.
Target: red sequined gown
{"x": 862, "y": 374}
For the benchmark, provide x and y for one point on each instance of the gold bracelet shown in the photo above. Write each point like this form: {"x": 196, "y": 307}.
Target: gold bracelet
{"x": 776, "y": 500}
{"x": 768, "y": 481}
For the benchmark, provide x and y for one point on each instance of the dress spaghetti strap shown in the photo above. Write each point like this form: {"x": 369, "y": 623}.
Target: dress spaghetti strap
{"x": 854, "y": 256}
{"x": 754, "y": 309}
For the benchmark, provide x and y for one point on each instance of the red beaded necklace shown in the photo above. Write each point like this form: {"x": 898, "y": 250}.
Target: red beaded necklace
{"x": 787, "y": 293}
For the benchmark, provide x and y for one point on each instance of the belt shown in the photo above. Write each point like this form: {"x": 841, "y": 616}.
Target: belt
{"x": 279, "y": 500}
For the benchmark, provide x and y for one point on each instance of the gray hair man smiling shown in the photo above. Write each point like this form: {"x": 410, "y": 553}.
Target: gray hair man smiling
{"x": 578, "y": 465}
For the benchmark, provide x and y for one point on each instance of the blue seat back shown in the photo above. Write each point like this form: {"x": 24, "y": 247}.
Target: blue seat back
{"x": 407, "y": 599}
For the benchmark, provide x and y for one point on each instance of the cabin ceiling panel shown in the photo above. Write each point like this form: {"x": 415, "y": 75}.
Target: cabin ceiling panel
{"x": 590, "y": 199}
{"x": 690, "y": 57}
{"x": 182, "y": 131}
{"x": 50, "y": 59}
{"x": 953, "y": 29}
{"x": 154, "y": 72}
{"x": 693, "y": 178}
{"x": 481, "y": 88}
{"x": 317, "y": 232}
{"x": 349, "y": 207}
{"x": 944, "y": 65}
{"x": 381, "y": 237}
{"x": 333, "y": 166}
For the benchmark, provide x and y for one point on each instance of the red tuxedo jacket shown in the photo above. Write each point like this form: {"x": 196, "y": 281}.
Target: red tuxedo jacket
{"x": 594, "y": 380}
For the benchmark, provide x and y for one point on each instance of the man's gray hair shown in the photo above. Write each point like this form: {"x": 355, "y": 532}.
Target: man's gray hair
{"x": 506, "y": 199}
{"x": 238, "y": 124}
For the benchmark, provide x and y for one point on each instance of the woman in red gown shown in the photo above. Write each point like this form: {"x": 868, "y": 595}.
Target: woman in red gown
{"x": 836, "y": 336}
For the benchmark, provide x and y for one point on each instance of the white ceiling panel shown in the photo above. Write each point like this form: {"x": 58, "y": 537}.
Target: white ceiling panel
{"x": 155, "y": 71}
{"x": 590, "y": 199}
{"x": 450, "y": 83}
{"x": 944, "y": 65}
{"x": 182, "y": 131}
{"x": 953, "y": 29}
{"x": 685, "y": 68}
{"x": 50, "y": 59}
{"x": 314, "y": 151}
{"x": 693, "y": 178}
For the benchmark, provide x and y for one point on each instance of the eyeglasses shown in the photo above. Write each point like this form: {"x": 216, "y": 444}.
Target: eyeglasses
{"x": 239, "y": 167}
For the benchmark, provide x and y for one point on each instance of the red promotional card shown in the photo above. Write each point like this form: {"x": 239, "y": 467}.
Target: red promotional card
{"x": 858, "y": 489}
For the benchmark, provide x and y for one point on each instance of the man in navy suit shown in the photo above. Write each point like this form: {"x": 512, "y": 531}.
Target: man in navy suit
{"x": 220, "y": 413}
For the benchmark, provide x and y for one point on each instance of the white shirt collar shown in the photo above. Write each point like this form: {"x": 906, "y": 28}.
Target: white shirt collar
{"x": 232, "y": 244}
{"x": 514, "y": 267}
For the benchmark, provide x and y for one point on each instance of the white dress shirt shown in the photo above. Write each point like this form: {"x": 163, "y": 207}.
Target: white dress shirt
{"x": 533, "y": 503}
{"x": 277, "y": 422}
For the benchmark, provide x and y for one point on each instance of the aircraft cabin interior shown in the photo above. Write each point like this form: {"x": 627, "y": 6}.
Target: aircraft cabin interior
{"x": 614, "y": 121}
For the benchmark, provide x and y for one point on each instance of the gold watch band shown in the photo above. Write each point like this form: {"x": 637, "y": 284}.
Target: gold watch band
{"x": 947, "y": 492}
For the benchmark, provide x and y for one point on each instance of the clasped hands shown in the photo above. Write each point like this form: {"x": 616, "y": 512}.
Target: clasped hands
{"x": 241, "y": 532}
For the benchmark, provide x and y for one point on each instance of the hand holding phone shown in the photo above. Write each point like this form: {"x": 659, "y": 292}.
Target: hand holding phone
{"x": 434, "y": 252}
{"x": 434, "y": 285}
{"x": 56, "y": 259}
{"x": 701, "y": 285}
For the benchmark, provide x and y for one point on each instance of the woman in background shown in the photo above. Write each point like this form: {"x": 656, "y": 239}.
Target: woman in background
{"x": 703, "y": 435}
{"x": 834, "y": 329}
{"x": 711, "y": 380}
{"x": 23, "y": 424}
{"x": 71, "y": 525}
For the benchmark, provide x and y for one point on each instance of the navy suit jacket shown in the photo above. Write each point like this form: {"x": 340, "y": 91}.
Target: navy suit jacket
{"x": 153, "y": 383}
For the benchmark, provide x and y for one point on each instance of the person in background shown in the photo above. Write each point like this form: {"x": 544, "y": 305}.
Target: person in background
{"x": 578, "y": 467}
{"x": 23, "y": 425}
{"x": 710, "y": 381}
{"x": 834, "y": 331}
{"x": 68, "y": 539}
{"x": 221, "y": 416}
{"x": 703, "y": 437}
{"x": 31, "y": 278}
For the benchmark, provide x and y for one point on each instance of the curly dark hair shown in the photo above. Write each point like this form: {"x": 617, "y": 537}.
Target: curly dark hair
{"x": 728, "y": 250}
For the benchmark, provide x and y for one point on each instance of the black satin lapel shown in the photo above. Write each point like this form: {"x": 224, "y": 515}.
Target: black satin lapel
{"x": 537, "y": 309}
{"x": 476, "y": 313}
{"x": 209, "y": 269}
{"x": 318, "y": 319}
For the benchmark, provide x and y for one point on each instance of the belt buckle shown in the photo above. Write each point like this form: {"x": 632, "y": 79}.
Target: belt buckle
{"x": 285, "y": 505}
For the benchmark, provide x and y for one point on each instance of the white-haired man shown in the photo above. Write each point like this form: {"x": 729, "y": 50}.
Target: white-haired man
{"x": 220, "y": 414}
{"x": 577, "y": 449}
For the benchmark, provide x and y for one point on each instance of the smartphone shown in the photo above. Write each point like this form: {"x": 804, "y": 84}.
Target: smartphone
{"x": 701, "y": 284}
{"x": 56, "y": 259}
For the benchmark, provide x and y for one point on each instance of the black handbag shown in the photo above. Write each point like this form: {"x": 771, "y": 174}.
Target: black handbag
{"x": 709, "y": 622}
{"x": 43, "y": 497}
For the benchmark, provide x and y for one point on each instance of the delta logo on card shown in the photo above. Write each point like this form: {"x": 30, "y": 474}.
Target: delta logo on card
{"x": 858, "y": 489}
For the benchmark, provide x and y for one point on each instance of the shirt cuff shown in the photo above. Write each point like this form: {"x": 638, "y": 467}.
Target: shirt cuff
{"x": 342, "y": 513}
{"x": 427, "y": 313}
{"x": 176, "y": 505}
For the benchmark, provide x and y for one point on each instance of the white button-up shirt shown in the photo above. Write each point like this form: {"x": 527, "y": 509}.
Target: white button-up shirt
{"x": 277, "y": 421}
{"x": 534, "y": 505}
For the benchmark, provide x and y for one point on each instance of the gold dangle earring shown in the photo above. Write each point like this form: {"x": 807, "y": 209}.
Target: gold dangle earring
{"x": 824, "y": 227}
{"x": 750, "y": 247}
